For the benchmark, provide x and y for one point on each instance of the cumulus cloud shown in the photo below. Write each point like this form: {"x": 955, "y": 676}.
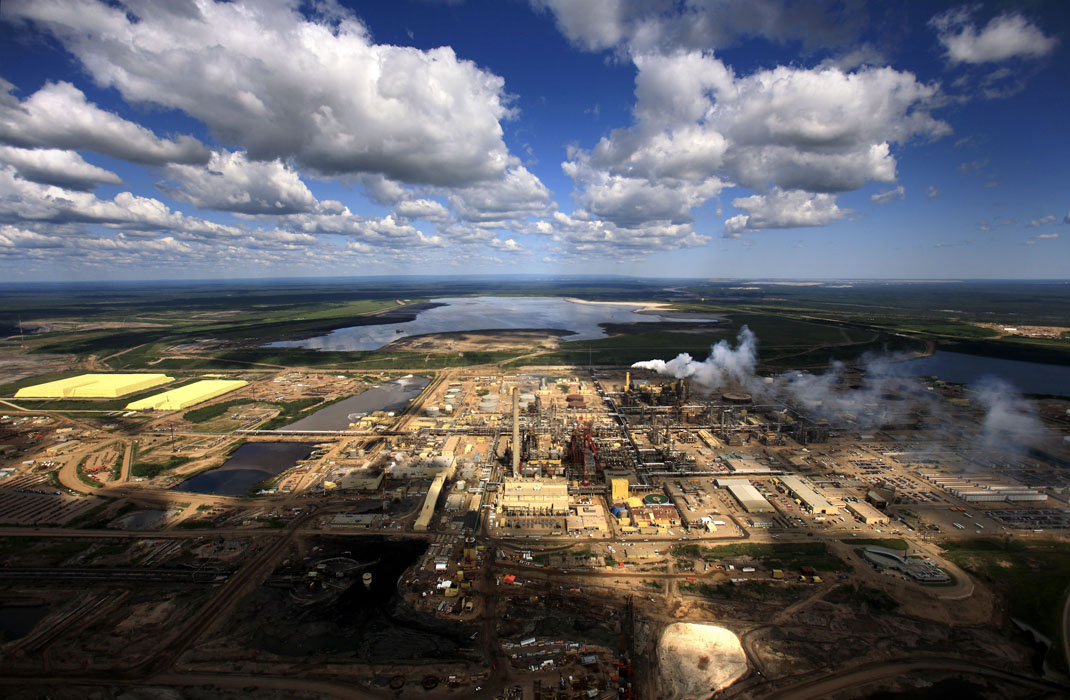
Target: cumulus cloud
{"x": 700, "y": 128}
{"x": 888, "y": 196}
{"x": 518, "y": 195}
{"x": 53, "y": 166}
{"x": 701, "y": 24}
{"x": 58, "y": 116}
{"x": 1046, "y": 236}
{"x": 1043, "y": 220}
{"x": 283, "y": 85}
{"x": 231, "y": 182}
{"x": 933, "y": 192}
{"x": 1006, "y": 36}
{"x": 783, "y": 209}
{"x": 426, "y": 209}
{"x": 582, "y": 233}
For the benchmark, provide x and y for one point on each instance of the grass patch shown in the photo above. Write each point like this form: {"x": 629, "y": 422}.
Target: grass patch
{"x": 781, "y": 555}
{"x": 872, "y": 598}
{"x": 1033, "y": 577}
{"x": 207, "y": 413}
{"x": 149, "y": 470}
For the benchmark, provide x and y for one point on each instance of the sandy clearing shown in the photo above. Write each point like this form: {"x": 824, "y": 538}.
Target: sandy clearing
{"x": 696, "y": 660}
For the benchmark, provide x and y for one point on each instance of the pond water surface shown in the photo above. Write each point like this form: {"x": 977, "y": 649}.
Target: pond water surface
{"x": 1026, "y": 377}
{"x": 489, "y": 313}
{"x": 388, "y": 396}
{"x": 246, "y": 467}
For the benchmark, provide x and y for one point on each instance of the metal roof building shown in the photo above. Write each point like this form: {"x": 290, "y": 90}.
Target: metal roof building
{"x": 808, "y": 496}
{"x": 746, "y": 494}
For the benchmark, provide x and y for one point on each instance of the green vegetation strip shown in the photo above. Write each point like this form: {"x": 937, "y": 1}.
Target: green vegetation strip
{"x": 1033, "y": 576}
{"x": 150, "y": 470}
{"x": 779, "y": 555}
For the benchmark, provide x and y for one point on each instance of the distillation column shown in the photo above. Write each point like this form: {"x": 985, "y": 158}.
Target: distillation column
{"x": 516, "y": 432}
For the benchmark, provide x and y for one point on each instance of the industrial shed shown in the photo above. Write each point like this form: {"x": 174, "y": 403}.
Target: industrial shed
{"x": 93, "y": 386}
{"x": 187, "y": 396}
{"x": 808, "y": 496}
{"x": 867, "y": 513}
{"x": 746, "y": 494}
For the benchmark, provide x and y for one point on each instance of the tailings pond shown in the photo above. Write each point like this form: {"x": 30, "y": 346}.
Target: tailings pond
{"x": 246, "y": 467}
{"x": 16, "y": 621}
{"x": 340, "y": 616}
{"x": 1026, "y": 377}
{"x": 491, "y": 313}
{"x": 389, "y": 396}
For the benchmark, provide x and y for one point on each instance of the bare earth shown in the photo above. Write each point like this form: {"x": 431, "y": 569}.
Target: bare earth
{"x": 698, "y": 660}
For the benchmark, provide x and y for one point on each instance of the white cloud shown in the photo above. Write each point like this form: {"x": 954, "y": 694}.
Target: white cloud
{"x": 888, "y": 196}
{"x": 509, "y": 245}
{"x": 700, "y": 128}
{"x": 58, "y": 116}
{"x": 783, "y": 209}
{"x": 1050, "y": 219}
{"x": 701, "y": 24}
{"x": 580, "y": 232}
{"x": 1006, "y": 36}
{"x": 52, "y": 166}
{"x": 282, "y": 85}
{"x": 31, "y": 204}
{"x": 425, "y": 209}
{"x": 933, "y": 192}
{"x": 1046, "y": 236}
{"x": 231, "y": 182}
{"x": 12, "y": 237}
{"x": 516, "y": 196}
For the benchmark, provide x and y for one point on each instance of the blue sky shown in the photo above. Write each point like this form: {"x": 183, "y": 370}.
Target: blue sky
{"x": 697, "y": 138}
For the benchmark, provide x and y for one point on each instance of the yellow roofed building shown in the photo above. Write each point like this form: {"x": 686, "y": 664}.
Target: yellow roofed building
{"x": 186, "y": 396}
{"x": 93, "y": 386}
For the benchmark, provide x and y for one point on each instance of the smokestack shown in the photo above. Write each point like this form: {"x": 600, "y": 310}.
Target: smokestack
{"x": 627, "y": 382}
{"x": 516, "y": 432}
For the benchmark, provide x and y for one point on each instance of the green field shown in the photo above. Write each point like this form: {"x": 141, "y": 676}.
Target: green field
{"x": 774, "y": 555}
{"x": 1033, "y": 577}
{"x": 225, "y": 326}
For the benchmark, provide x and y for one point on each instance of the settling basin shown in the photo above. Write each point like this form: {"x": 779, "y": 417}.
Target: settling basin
{"x": 959, "y": 368}
{"x": 246, "y": 467}
{"x": 388, "y": 396}
{"x": 17, "y": 621}
{"x": 454, "y": 314}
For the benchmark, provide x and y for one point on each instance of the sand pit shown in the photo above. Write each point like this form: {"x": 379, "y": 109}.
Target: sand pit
{"x": 698, "y": 660}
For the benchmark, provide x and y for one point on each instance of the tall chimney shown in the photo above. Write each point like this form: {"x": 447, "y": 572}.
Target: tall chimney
{"x": 627, "y": 382}
{"x": 516, "y": 432}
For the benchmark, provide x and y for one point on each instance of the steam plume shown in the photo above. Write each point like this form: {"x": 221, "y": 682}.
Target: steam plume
{"x": 723, "y": 364}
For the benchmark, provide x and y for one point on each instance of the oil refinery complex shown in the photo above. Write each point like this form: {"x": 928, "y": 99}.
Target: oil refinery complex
{"x": 561, "y": 519}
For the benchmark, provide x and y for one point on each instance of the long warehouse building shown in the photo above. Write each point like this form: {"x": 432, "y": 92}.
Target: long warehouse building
{"x": 423, "y": 521}
{"x": 93, "y": 386}
{"x": 748, "y": 496}
{"x": 186, "y": 396}
{"x": 808, "y": 496}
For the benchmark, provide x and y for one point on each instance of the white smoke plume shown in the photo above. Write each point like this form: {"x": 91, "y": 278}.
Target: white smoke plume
{"x": 1010, "y": 421}
{"x": 723, "y": 364}
{"x": 887, "y": 395}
